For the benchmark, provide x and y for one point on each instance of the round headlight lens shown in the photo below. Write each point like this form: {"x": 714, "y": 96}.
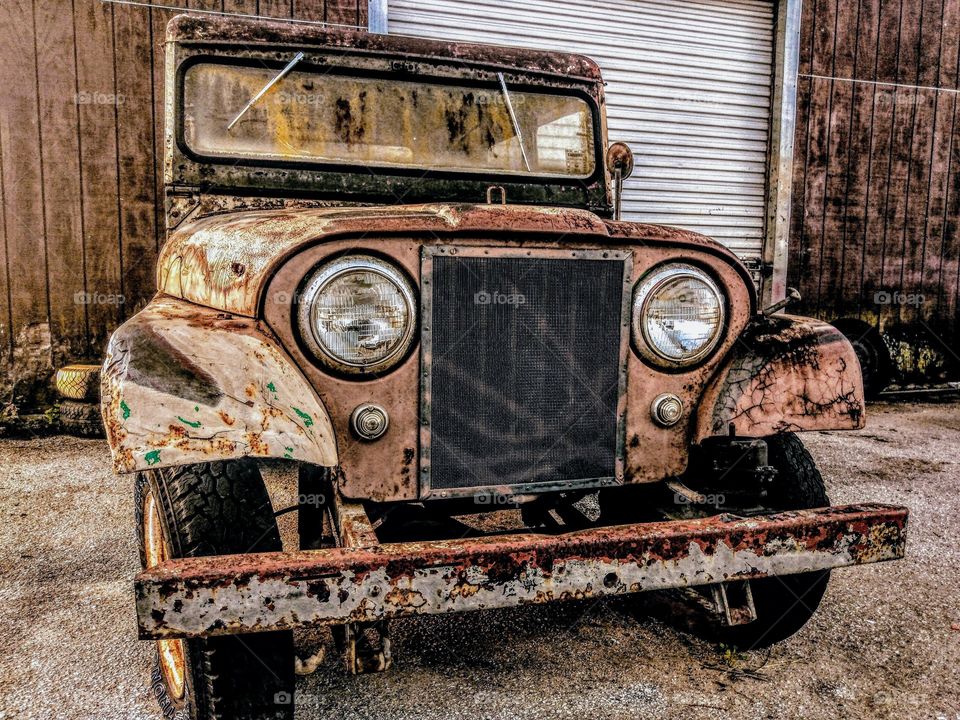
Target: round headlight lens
{"x": 357, "y": 314}
{"x": 678, "y": 314}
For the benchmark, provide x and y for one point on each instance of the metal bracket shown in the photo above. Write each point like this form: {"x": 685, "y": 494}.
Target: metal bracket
{"x": 366, "y": 646}
{"x": 181, "y": 203}
{"x": 352, "y": 524}
{"x": 739, "y": 612}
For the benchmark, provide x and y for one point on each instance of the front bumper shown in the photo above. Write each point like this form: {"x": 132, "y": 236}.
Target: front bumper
{"x": 206, "y": 596}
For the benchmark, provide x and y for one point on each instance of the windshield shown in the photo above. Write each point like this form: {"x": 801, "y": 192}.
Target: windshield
{"x": 312, "y": 117}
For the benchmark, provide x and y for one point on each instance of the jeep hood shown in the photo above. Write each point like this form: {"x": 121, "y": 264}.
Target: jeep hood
{"x": 225, "y": 261}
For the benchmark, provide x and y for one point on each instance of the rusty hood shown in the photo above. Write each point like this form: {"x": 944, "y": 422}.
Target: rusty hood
{"x": 224, "y": 261}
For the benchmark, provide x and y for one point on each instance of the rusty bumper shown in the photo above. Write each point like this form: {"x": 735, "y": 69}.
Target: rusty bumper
{"x": 269, "y": 591}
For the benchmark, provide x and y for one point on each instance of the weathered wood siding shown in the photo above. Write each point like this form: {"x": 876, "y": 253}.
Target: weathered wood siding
{"x": 81, "y": 201}
{"x": 876, "y": 191}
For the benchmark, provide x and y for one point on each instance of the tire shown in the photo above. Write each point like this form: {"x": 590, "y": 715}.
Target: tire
{"x": 82, "y": 419}
{"x": 785, "y": 603}
{"x": 79, "y": 382}
{"x": 218, "y": 508}
{"x": 876, "y": 365}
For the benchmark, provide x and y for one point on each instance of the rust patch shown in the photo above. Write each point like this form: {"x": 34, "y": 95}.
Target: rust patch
{"x": 221, "y": 595}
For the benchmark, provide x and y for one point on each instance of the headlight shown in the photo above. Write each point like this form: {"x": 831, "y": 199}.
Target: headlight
{"x": 357, "y": 314}
{"x": 678, "y": 314}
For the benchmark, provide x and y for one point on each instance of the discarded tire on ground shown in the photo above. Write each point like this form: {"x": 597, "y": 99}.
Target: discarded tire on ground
{"x": 81, "y": 419}
{"x": 79, "y": 382}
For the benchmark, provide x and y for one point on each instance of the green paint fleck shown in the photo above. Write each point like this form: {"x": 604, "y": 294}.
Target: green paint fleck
{"x": 289, "y": 453}
{"x": 196, "y": 408}
{"x": 125, "y": 409}
{"x": 307, "y": 420}
{"x": 187, "y": 422}
{"x": 271, "y": 387}
{"x": 152, "y": 457}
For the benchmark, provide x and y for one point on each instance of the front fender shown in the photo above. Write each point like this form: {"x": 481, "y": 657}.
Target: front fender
{"x": 185, "y": 384}
{"x": 785, "y": 374}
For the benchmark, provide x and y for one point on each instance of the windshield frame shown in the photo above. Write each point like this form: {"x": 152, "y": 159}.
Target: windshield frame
{"x": 489, "y": 176}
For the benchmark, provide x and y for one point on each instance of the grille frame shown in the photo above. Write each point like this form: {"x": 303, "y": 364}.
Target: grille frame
{"x": 428, "y": 253}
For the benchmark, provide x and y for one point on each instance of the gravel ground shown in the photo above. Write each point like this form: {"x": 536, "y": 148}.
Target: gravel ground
{"x": 885, "y": 643}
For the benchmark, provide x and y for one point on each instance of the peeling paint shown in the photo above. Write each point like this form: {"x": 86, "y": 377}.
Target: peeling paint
{"x": 160, "y": 361}
{"x": 222, "y": 595}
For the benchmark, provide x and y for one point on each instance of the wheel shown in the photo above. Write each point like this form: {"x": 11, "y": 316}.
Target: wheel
{"x": 79, "y": 382}
{"x": 785, "y": 603}
{"x": 81, "y": 419}
{"x": 875, "y": 364}
{"x": 219, "y": 508}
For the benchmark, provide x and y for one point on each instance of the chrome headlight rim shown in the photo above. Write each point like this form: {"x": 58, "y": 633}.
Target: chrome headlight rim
{"x": 330, "y": 270}
{"x": 646, "y": 288}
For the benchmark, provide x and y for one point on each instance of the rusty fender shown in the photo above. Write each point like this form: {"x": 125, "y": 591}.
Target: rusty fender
{"x": 247, "y": 593}
{"x": 185, "y": 384}
{"x": 786, "y": 374}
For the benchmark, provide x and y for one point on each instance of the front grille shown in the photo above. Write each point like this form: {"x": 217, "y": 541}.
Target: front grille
{"x": 523, "y": 359}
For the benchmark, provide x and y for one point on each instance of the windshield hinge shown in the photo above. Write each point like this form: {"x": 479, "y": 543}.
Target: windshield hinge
{"x": 181, "y": 202}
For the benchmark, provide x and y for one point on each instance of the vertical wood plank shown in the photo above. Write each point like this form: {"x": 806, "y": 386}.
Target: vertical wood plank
{"x": 867, "y": 31}
{"x": 917, "y": 199}
{"x": 902, "y": 100}
{"x": 275, "y": 8}
{"x": 798, "y": 185}
{"x": 310, "y": 10}
{"x": 950, "y": 271}
{"x": 342, "y": 12}
{"x": 849, "y": 292}
{"x": 23, "y": 195}
{"x": 138, "y": 200}
{"x": 889, "y": 40}
{"x": 811, "y": 237}
{"x": 60, "y": 153}
{"x": 932, "y": 263}
{"x": 879, "y": 172}
{"x": 834, "y": 199}
{"x": 98, "y": 169}
{"x": 6, "y": 336}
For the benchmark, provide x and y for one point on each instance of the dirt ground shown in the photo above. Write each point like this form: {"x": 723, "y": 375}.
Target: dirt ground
{"x": 885, "y": 643}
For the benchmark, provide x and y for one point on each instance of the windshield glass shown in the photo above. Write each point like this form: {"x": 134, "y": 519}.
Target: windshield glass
{"x": 311, "y": 117}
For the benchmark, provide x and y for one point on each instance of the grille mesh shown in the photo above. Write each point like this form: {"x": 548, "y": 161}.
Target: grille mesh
{"x": 524, "y": 370}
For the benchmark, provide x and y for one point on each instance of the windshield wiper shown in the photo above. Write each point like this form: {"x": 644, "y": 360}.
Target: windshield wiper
{"x": 513, "y": 119}
{"x": 282, "y": 74}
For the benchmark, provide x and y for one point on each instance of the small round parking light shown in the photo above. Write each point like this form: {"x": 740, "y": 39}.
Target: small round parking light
{"x": 667, "y": 409}
{"x": 369, "y": 421}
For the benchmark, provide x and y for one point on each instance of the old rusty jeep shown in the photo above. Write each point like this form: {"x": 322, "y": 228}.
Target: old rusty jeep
{"x": 396, "y": 266}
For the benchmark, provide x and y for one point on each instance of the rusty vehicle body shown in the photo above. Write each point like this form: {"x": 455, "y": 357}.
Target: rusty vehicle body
{"x": 217, "y": 369}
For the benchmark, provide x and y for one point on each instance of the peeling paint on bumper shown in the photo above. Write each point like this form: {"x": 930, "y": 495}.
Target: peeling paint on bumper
{"x": 196, "y": 597}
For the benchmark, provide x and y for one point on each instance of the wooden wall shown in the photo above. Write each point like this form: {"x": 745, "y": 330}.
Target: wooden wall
{"x": 876, "y": 190}
{"x": 81, "y": 194}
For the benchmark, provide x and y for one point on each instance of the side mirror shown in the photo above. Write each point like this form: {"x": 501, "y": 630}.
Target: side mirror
{"x": 620, "y": 165}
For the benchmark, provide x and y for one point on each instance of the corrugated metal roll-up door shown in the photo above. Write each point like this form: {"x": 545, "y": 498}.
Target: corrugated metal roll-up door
{"x": 688, "y": 87}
